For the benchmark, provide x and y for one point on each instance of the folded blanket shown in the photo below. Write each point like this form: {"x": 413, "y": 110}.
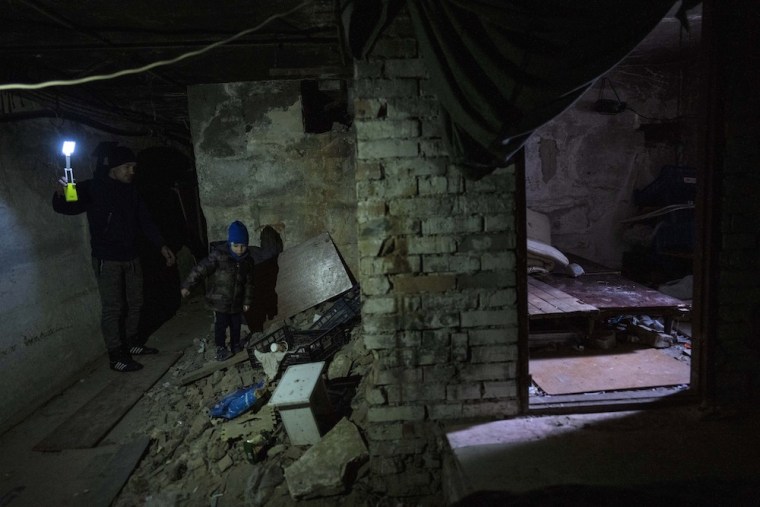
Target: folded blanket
{"x": 545, "y": 256}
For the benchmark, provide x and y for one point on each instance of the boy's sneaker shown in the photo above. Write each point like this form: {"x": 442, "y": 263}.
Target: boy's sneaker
{"x": 222, "y": 354}
{"x": 142, "y": 350}
{"x": 125, "y": 364}
{"x": 236, "y": 347}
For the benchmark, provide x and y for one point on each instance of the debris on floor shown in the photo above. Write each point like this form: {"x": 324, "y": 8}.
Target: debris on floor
{"x": 250, "y": 458}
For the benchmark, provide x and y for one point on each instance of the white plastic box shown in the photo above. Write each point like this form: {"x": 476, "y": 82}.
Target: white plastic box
{"x": 301, "y": 399}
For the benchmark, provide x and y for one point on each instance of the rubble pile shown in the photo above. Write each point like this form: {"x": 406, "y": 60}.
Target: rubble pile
{"x": 197, "y": 459}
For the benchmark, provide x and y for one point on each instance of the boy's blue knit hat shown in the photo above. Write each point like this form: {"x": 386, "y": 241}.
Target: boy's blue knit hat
{"x": 237, "y": 233}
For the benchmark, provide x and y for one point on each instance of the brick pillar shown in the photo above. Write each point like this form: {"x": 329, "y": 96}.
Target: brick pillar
{"x": 437, "y": 271}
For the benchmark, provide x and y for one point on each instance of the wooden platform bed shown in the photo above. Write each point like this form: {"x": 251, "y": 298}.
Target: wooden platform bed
{"x": 558, "y": 301}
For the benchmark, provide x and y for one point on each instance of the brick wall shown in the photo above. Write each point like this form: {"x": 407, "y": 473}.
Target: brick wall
{"x": 437, "y": 271}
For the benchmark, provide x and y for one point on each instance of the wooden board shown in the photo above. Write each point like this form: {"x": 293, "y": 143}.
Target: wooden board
{"x": 88, "y": 425}
{"x": 615, "y": 295}
{"x": 212, "y": 366}
{"x": 590, "y": 371}
{"x": 307, "y": 274}
{"x": 112, "y": 476}
{"x": 546, "y": 300}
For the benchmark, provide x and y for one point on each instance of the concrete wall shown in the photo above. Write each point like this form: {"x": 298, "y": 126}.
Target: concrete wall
{"x": 256, "y": 164}
{"x": 582, "y": 167}
{"x": 437, "y": 271}
{"x": 49, "y": 307}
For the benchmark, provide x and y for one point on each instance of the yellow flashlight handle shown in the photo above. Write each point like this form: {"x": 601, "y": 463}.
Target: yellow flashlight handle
{"x": 70, "y": 192}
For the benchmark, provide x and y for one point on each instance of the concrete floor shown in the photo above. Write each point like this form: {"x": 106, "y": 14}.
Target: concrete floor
{"x": 86, "y": 476}
{"x": 675, "y": 456}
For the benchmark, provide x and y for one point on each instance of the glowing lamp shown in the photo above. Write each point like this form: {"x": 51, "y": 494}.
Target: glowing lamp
{"x": 70, "y": 192}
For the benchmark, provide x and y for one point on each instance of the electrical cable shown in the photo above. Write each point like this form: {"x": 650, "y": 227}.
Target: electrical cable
{"x": 145, "y": 68}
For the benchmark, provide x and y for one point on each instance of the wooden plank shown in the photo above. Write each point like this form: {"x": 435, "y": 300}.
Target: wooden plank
{"x": 88, "y": 425}
{"x": 566, "y": 372}
{"x": 613, "y": 294}
{"x": 306, "y": 275}
{"x": 545, "y": 300}
{"x": 212, "y": 366}
{"x": 112, "y": 477}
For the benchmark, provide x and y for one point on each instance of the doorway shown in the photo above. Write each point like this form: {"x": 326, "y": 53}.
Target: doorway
{"x": 609, "y": 201}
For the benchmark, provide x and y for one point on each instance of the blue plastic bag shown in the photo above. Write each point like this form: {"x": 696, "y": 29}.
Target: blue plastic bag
{"x": 237, "y": 402}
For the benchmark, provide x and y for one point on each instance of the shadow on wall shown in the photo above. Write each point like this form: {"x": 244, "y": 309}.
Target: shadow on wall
{"x": 265, "y": 279}
{"x": 160, "y": 173}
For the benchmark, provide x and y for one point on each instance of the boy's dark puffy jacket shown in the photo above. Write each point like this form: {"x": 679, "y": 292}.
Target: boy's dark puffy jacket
{"x": 229, "y": 281}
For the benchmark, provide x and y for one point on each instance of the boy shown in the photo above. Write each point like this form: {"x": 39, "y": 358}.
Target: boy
{"x": 229, "y": 288}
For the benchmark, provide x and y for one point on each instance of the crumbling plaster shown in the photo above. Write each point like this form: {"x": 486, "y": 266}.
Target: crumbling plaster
{"x": 256, "y": 164}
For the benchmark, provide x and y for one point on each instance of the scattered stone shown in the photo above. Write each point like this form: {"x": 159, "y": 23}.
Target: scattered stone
{"x": 224, "y": 463}
{"x": 330, "y": 466}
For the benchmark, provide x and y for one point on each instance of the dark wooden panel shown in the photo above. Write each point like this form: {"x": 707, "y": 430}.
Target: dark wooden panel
{"x": 589, "y": 371}
{"x": 112, "y": 477}
{"x": 545, "y": 300}
{"x": 307, "y": 274}
{"x": 615, "y": 294}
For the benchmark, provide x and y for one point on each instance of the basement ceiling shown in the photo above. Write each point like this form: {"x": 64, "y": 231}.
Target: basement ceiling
{"x": 43, "y": 40}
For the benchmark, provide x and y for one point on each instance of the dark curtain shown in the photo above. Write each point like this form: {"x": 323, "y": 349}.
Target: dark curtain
{"x": 501, "y": 69}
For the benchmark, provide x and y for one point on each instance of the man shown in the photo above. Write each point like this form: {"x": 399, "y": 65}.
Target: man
{"x": 116, "y": 214}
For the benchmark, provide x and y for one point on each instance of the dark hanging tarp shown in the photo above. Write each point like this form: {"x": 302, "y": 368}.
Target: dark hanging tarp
{"x": 501, "y": 69}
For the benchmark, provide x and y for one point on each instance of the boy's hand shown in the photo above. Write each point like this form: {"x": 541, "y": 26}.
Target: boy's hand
{"x": 185, "y": 292}
{"x": 246, "y": 308}
{"x": 168, "y": 255}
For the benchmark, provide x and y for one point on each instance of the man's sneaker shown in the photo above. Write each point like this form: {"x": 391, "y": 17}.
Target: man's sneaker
{"x": 236, "y": 347}
{"x": 142, "y": 350}
{"x": 222, "y": 354}
{"x": 125, "y": 364}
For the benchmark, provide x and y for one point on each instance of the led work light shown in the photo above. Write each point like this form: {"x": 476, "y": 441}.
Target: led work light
{"x": 71, "y": 190}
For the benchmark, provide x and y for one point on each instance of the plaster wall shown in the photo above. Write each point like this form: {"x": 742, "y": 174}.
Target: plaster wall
{"x": 582, "y": 167}
{"x": 255, "y": 164}
{"x": 49, "y": 307}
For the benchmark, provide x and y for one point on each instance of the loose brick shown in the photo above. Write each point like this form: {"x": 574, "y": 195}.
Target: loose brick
{"x": 417, "y": 284}
{"x": 494, "y": 409}
{"x": 467, "y": 391}
{"x": 379, "y": 305}
{"x": 388, "y": 414}
{"x": 487, "y": 371}
{"x": 505, "y": 389}
{"x": 386, "y": 129}
{"x": 418, "y": 392}
{"x": 493, "y": 354}
{"x": 451, "y": 224}
{"x": 386, "y": 148}
{"x": 505, "y": 335}
{"x": 445, "y": 411}
{"x": 483, "y": 318}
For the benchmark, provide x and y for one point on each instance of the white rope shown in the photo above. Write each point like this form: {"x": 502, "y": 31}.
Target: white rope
{"x": 104, "y": 77}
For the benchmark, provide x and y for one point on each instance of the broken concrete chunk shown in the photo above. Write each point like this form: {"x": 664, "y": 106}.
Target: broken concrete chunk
{"x": 330, "y": 466}
{"x": 340, "y": 366}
